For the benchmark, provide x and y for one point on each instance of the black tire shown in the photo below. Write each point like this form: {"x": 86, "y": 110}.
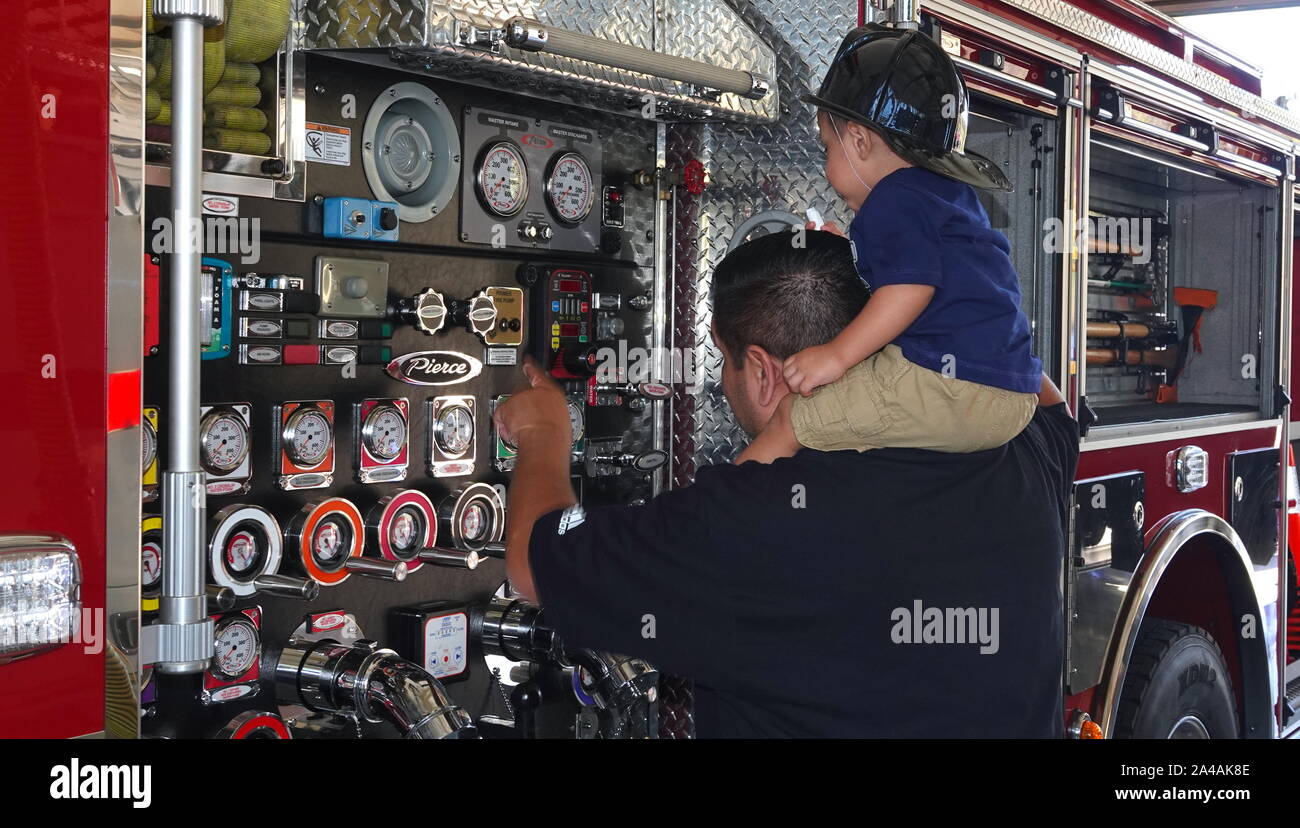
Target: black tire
{"x": 1177, "y": 686}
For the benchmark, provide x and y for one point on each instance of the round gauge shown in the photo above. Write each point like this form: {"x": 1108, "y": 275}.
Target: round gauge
{"x": 401, "y": 525}
{"x": 307, "y": 436}
{"x": 384, "y": 432}
{"x": 224, "y": 441}
{"x": 503, "y": 179}
{"x": 150, "y": 564}
{"x": 576, "y": 420}
{"x": 235, "y": 648}
{"x": 148, "y": 445}
{"x": 569, "y": 188}
{"x": 404, "y": 535}
{"x": 327, "y": 544}
{"x": 473, "y": 522}
{"x": 243, "y": 550}
{"x": 454, "y": 430}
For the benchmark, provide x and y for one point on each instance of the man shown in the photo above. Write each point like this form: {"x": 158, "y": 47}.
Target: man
{"x": 893, "y": 592}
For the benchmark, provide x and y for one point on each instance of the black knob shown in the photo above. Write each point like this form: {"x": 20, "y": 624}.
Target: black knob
{"x": 528, "y": 275}
{"x": 388, "y": 218}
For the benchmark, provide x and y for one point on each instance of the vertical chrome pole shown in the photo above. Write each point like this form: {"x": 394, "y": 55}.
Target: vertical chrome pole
{"x": 185, "y": 632}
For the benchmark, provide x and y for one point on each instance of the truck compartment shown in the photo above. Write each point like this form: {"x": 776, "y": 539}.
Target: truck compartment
{"x": 1181, "y": 289}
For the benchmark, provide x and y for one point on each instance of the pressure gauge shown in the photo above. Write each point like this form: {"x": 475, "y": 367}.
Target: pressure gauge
{"x": 328, "y": 542}
{"x": 454, "y": 430}
{"x": 569, "y": 188}
{"x": 502, "y": 179}
{"x": 324, "y": 534}
{"x": 473, "y": 522}
{"x": 401, "y": 525}
{"x": 243, "y": 544}
{"x": 473, "y": 515}
{"x": 224, "y": 441}
{"x": 242, "y": 551}
{"x": 148, "y": 445}
{"x": 150, "y": 565}
{"x": 236, "y": 648}
{"x": 384, "y": 432}
{"x": 576, "y": 420}
{"x": 307, "y": 436}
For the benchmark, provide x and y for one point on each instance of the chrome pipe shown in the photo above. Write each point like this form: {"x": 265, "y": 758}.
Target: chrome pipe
{"x": 283, "y": 586}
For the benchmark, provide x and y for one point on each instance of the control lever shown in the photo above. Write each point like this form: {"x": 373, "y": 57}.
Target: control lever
{"x": 646, "y": 461}
{"x": 373, "y": 568}
{"x": 282, "y": 586}
{"x": 456, "y": 558}
{"x": 220, "y": 599}
{"x": 426, "y": 311}
{"x": 651, "y": 390}
{"x": 493, "y": 549}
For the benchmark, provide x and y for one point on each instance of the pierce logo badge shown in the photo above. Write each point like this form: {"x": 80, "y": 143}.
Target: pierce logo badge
{"x": 539, "y": 141}
{"x": 434, "y": 368}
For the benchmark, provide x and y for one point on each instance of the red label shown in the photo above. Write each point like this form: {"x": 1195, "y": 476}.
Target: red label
{"x": 539, "y": 141}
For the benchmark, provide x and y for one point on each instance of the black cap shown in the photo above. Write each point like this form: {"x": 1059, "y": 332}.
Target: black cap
{"x": 900, "y": 84}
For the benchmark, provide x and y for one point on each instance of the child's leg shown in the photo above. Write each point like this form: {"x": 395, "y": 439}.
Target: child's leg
{"x": 776, "y": 439}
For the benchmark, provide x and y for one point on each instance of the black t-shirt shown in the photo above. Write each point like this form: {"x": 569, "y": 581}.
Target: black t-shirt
{"x": 801, "y": 596}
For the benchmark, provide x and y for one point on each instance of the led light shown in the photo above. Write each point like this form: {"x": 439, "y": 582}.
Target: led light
{"x": 40, "y": 583}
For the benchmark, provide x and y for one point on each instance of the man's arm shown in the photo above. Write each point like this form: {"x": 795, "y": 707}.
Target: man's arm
{"x": 536, "y": 420}
{"x": 1048, "y": 393}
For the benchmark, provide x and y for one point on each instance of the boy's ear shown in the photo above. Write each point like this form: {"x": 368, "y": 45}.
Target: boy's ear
{"x": 863, "y": 140}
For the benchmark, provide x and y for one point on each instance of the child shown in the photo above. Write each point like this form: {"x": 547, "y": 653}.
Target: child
{"x": 939, "y": 358}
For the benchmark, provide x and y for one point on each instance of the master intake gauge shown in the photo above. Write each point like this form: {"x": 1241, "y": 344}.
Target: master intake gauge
{"x": 502, "y": 178}
{"x": 381, "y": 439}
{"x": 570, "y": 191}
{"x": 451, "y": 436}
{"x": 224, "y": 443}
{"x": 304, "y": 444}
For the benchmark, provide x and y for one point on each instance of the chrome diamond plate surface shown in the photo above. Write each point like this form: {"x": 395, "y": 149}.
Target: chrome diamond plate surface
{"x": 421, "y": 35}
{"x": 1066, "y": 16}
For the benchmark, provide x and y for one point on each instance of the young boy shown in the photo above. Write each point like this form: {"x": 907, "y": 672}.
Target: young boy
{"x": 939, "y": 358}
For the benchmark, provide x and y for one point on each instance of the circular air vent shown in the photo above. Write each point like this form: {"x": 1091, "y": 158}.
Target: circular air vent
{"x": 412, "y": 151}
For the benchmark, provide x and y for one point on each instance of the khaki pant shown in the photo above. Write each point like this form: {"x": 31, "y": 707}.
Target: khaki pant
{"x": 885, "y": 401}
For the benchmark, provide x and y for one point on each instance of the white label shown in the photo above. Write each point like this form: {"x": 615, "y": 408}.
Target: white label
{"x": 445, "y": 643}
{"x": 220, "y": 205}
{"x": 501, "y": 356}
{"x": 328, "y": 144}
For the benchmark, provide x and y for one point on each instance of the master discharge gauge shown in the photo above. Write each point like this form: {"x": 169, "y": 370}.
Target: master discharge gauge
{"x": 570, "y": 189}
{"x": 502, "y": 178}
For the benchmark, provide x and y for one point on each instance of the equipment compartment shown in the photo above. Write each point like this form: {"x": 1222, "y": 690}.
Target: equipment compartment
{"x": 1181, "y": 289}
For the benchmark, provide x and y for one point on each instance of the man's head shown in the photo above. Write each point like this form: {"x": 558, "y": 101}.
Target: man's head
{"x": 771, "y": 300}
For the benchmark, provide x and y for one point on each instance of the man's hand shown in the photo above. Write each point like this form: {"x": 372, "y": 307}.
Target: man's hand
{"x": 539, "y": 411}
{"x": 812, "y": 368}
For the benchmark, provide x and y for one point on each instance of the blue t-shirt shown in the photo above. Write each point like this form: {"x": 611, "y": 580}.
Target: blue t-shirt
{"x": 920, "y": 228}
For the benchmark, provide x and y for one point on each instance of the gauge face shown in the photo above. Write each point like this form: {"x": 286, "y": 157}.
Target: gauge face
{"x": 150, "y": 564}
{"x": 575, "y": 420}
{"x": 503, "y": 179}
{"x": 242, "y": 552}
{"x": 224, "y": 441}
{"x": 329, "y": 544}
{"x": 307, "y": 436}
{"x": 473, "y": 522}
{"x": 569, "y": 188}
{"x": 454, "y": 430}
{"x": 148, "y": 445}
{"x": 406, "y": 531}
{"x": 384, "y": 432}
{"x": 236, "y": 649}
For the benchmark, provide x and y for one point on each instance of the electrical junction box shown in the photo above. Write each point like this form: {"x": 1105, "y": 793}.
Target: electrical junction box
{"x": 434, "y": 636}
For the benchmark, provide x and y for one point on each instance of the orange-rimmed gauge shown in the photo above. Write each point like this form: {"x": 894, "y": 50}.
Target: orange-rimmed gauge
{"x": 402, "y": 524}
{"x": 323, "y": 535}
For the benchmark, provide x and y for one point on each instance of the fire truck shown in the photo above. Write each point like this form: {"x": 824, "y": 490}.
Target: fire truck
{"x": 276, "y": 262}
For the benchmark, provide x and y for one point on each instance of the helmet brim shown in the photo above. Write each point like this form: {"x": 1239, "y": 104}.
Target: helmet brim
{"x": 968, "y": 167}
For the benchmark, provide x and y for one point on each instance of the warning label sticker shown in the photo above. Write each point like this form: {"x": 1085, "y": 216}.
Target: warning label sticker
{"x": 328, "y": 144}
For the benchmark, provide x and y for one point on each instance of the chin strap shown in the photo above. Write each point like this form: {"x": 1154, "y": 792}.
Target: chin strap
{"x": 845, "y": 150}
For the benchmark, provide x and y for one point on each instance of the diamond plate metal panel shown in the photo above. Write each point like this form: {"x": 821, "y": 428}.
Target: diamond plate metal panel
{"x": 752, "y": 169}
{"x": 420, "y": 35}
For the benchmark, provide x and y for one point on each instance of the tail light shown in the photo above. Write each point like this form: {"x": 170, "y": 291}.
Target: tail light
{"x": 40, "y": 594}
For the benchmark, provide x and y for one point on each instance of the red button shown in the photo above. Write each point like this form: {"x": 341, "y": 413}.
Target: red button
{"x": 584, "y": 307}
{"x": 301, "y": 354}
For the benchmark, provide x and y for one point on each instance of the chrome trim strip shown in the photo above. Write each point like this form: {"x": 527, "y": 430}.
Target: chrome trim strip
{"x": 1159, "y": 134}
{"x": 998, "y": 77}
{"x": 1169, "y": 537}
{"x": 125, "y": 338}
{"x": 1176, "y": 430}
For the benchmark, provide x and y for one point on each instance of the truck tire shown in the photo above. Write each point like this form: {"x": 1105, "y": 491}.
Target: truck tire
{"x": 1177, "y": 686}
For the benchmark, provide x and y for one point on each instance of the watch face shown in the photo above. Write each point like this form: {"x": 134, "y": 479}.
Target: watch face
{"x": 569, "y": 188}
{"x": 454, "y": 430}
{"x": 224, "y": 441}
{"x": 307, "y": 436}
{"x": 384, "y": 432}
{"x": 503, "y": 179}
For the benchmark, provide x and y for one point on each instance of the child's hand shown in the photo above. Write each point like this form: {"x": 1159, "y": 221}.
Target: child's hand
{"x": 812, "y": 368}
{"x": 829, "y": 227}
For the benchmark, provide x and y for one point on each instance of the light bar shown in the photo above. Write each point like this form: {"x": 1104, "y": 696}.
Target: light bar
{"x": 40, "y": 594}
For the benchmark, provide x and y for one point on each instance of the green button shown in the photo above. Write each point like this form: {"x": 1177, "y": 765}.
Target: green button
{"x": 582, "y": 338}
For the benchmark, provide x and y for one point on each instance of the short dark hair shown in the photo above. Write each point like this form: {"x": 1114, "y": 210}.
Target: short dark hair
{"x": 785, "y": 298}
